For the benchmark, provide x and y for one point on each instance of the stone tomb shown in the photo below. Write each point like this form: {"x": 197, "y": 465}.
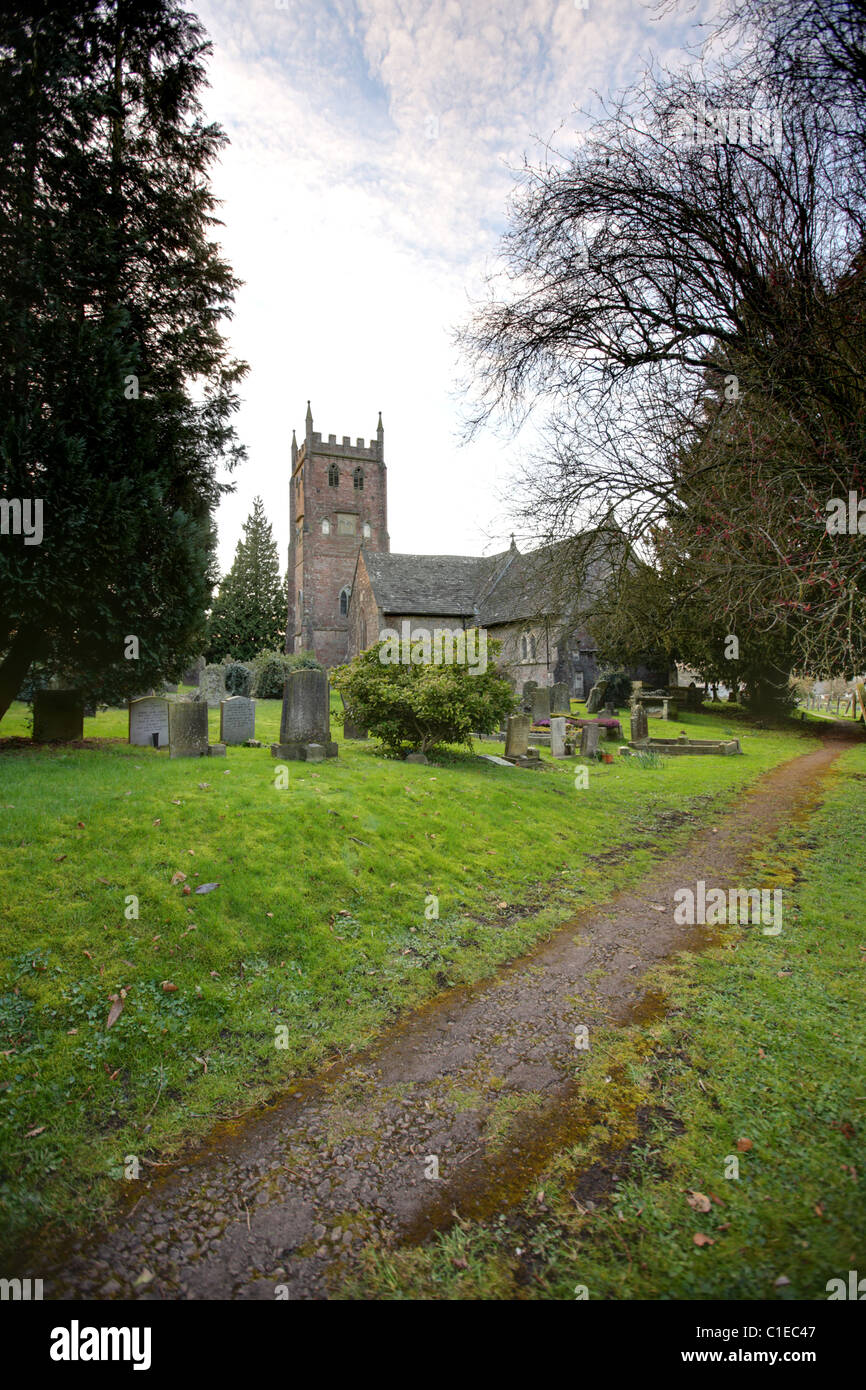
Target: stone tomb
{"x": 187, "y": 729}
{"x": 559, "y": 701}
{"x": 306, "y": 721}
{"x": 148, "y": 716}
{"x": 58, "y": 716}
{"x": 237, "y": 719}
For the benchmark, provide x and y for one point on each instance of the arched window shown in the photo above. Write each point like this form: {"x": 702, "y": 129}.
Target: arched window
{"x": 532, "y": 646}
{"x": 358, "y": 478}
{"x": 344, "y": 601}
{"x": 326, "y": 527}
{"x": 333, "y": 475}
{"x": 524, "y": 649}
{"x": 367, "y": 531}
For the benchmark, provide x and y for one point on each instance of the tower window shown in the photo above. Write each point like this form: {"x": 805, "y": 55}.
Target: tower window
{"x": 358, "y": 478}
{"x": 524, "y": 649}
{"x": 344, "y": 601}
{"x": 333, "y": 475}
{"x": 326, "y": 527}
{"x": 367, "y": 531}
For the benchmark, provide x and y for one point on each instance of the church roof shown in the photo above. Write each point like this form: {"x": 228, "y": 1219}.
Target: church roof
{"x": 491, "y": 589}
{"x": 447, "y": 585}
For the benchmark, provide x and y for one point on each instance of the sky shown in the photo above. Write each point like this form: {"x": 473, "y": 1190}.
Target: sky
{"x": 374, "y": 145}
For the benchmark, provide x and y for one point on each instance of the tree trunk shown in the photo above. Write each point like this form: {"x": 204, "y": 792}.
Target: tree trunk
{"x": 15, "y": 665}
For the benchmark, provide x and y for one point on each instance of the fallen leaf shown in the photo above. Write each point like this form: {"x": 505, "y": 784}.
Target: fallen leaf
{"x": 60, "y": 858}
{"x": 87, "y": 954}
{"x": 106, "y": 881}
{"x": 658, "y": 907}
{"x": 781, "y": 1281}
{"x": 502, "y": 906}
{"x": 818, "y": 1209}
{"x": 186, "y": 890}
{"x": 157, "y": 821}
{"x": 144, "y": 1278}
{"x": 70, "y": 1031}
{"x": 698, "y": 1200}
{"x": 744, "y": 1145}
{"x": 169, "y": 987}
{"x": 32, "y": 1133}
{"x": 178, "y": 877}
{"x": 206, "y": 887}
{"x": 204, "y": 786}
{"x": 116, "y": 1008}
{"x": 701, "y": 1239}
{"x": 81, "y": 825}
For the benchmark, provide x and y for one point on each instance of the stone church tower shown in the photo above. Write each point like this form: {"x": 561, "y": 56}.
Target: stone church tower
{"x": 338, "y": 503}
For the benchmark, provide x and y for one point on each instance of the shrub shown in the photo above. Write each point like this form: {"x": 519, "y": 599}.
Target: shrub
{"x": 619, "y": 688}
{"x": 272, "y": 668}
{"x": 420, "y": 706}
{"x": 238, "y": 678}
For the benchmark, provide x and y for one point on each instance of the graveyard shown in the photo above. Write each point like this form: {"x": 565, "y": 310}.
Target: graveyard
{"x": 210, "y": 901}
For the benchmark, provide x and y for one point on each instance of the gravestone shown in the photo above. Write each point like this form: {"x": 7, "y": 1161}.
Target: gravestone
{"x": 540, "y": 704}
{"x": 187, "y": 729}
{"x": 559, "y": 701}
{"x": 237, "y": 719}
{"x": 526, "y": 697}
{"x": 589, "y": 741}
{"x": 58, "y": 715}
{"x": 212, "y": 686}
{"x": 694, "y": 696}
{"x": 306, "y": 718}
{"x": 557, "y": 737}
{"x": 192, "y": 675}
{"x": 169, "y": 688}
{"x": 517, "y": 735}
{"x": 148, "y": 716}
{"x": 639, "y": 723}
{"x": 596, "y": 695}
{"x": 353, "y": 730}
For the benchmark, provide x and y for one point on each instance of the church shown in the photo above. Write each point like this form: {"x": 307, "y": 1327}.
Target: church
{"x": 346, "y": 585}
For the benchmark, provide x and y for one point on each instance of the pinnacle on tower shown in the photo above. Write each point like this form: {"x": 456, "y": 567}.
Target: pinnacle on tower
{"x": 294, "y": 448}
{"x": 380, "y": 436}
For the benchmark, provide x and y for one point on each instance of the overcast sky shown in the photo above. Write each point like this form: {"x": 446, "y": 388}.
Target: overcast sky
{"x": 374, "y": 145}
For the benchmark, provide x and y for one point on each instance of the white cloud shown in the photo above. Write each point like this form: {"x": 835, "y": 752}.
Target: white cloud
{"x": 364, "y": 192}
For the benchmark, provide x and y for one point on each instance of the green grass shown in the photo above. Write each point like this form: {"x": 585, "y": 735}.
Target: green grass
{"x": 763, "y": 1043}
{"x": 318, "y": 924}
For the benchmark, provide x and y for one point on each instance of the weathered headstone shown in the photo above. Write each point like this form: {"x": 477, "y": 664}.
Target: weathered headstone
{"x": 639, "y": 723}
{"x": 517, "y": 735}
{"x": 596, "y": 696}
{"x": 557, "y": 737}
{"x": 589, "y": 741}
{"x": 187, "y": 729}
{"x": 212, "y": 686}
{"x": 526, "y": 696}
{"x": 415, "y": 758}
{"x": 58, "y": 715}
{"x": 559, "y": 701}
{"x": 306, "y": 718}
{"x": 353, "y": 730}
{"x": 147, "y": 717}
{"x": 540, "y": 703}
{"x": 237, "y": 719}
{"x": 192, "y": 675}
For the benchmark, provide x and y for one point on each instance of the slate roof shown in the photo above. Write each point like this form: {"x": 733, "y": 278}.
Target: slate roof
{"x": 491, "y": 589}
{"x": 443, "y": 584}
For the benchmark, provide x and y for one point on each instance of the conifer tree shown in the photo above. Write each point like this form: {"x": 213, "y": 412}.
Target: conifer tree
{"x": 248, "y": 615}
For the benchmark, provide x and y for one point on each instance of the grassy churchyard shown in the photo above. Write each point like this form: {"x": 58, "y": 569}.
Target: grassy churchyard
{"x": 319, "y": 927}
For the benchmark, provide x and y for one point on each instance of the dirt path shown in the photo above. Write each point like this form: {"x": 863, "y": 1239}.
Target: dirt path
{"x": 293, "y": 1196}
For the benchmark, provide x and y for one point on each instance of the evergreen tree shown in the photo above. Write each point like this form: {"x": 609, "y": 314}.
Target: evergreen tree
{"x": 249, "y": 613}
{"x": 117, "y": 392}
